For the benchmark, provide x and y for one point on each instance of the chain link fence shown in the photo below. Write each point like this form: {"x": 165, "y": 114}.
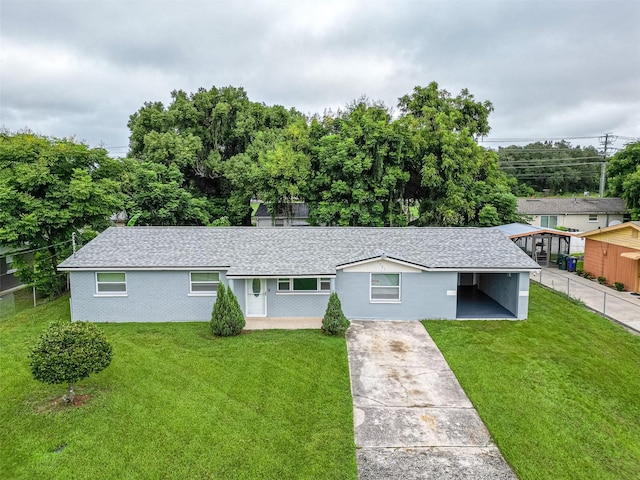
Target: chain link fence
{"x": 611, "y": 304}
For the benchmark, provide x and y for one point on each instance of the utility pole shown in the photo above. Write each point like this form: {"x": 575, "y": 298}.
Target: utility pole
{"x": 605, "y": 141}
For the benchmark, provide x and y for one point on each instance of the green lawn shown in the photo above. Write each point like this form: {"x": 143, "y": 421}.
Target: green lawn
{"x": 560, "y": 392}
{"x": 178, "y": 403}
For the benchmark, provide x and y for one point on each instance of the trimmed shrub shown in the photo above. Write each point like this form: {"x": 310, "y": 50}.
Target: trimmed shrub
{"x": 227, "y": 318}
{"x": 619, "y": 286}
{"x": 69, "y": 352}
{"x": 579, "y": 272}
{"x": 334, "y": 321}
{"x": 602, "y": 280}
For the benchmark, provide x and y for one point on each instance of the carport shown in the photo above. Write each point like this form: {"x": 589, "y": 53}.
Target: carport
{"x": 485, "y": 295}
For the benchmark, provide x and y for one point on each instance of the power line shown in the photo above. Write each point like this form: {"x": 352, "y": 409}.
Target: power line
{"x": 539, "y": 139}
{"x": 20, "y": 252}
{"x": 552, "y": 165}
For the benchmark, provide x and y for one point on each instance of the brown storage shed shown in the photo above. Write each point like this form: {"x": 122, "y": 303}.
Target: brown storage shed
{"x": 614, "y": 253}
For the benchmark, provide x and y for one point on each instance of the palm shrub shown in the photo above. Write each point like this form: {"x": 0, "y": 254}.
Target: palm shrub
{"x": 227, "y": 318}
{"x": 334, "y": 321}
{"x": 69, "y": 352}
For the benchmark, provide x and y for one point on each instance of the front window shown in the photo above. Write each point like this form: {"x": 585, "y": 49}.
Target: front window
{"x": 549, "y": 221}
{"x": 305, "y": 284}
{"x": 385, "y": 287}
{"x": 111, "y": 283}
{"x": 204, "y": 283}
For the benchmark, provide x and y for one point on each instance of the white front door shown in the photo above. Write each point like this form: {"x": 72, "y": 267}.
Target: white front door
{"x": 256, "y": 304}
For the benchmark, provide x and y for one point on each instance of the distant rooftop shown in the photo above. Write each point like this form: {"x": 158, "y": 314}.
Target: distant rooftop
{"x": 522, "y": 229}
{"x": 575, "y": 205}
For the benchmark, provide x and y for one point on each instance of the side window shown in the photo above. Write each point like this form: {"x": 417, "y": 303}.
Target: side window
{"x": 593, "y": 218}
{"x": 304, "y": 285}
{"x": 549, "y": 221}
{"x": 204, "y": 283}
{"x": 114, "y": 283}
{"x": 284, "y": 285}
{"x": 385, "y": 287}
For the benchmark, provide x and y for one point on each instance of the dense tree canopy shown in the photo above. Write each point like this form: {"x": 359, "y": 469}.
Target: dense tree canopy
{"x": 556, "y": 166}
{"x": 360, "y": 166}
{"x": 50, "y": 189}
{"x": 208, "y": 136}
{"x": 623, "y": 172}
{"x": 454, "y": 181}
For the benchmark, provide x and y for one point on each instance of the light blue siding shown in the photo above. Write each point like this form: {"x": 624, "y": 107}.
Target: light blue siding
{"x": 423, "y": 295}
{"x": 285, "y": 304}
{"x": 523, "y": 295}
{"x": 502, "y": 287}
{"x": 163, "y": 296}
{"x": 152, "y": 296}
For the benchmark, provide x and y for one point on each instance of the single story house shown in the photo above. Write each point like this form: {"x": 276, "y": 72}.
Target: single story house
{"x": 289, "y": 215}
{"x": 614, "y": 253}
{"x": 160, "y": 274}
{"x": 578, "y": 214}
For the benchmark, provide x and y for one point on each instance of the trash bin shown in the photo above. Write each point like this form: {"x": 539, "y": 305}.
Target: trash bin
{"x": 571, "y": 264}
{"x": 562, "y": 261}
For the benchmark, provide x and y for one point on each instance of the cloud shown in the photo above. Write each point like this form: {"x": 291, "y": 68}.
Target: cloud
{"x": 550, "y": 68}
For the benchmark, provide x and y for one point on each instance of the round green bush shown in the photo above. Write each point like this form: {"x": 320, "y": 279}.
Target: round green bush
{"x": 69, "y": 352}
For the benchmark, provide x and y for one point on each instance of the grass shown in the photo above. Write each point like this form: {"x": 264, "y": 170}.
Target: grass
{"x": 559, "y": 392}
{"x": 17, "y": 301}
{"x": 178, "y": 403}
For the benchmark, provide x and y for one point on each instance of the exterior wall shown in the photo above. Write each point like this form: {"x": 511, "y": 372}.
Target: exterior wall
{"x": 294, "y": 304}
{"x": 423, "y": 295}
{"x": 152, "y": 296}
{"x": 581, "y": 222}
{"x": 501, "y": 287}
{"x": 285, "y": 305}
{"x": 623, "y": 236}
{"x": 504, "y": 288}
{"x": 163, "y": 296}
{"x": 603, "y": 259}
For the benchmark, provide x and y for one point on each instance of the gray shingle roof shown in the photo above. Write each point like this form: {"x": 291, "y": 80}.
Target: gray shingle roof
{"x": 294, "y": 251}
{"x": 577, "y": 205}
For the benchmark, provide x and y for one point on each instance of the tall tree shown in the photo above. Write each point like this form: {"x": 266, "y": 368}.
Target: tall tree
{"x": 623, "y": 172}
{"x": 207, "y": 135}
{"x": 49, "y": 189}
{"x": 357, "y": 165}
{"x": 454, "y": 180}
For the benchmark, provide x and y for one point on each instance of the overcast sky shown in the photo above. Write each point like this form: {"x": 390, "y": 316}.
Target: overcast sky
{"x": 551, "y": 68}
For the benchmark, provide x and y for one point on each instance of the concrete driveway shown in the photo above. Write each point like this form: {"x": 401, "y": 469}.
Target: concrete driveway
{"x": 412, "y": 419}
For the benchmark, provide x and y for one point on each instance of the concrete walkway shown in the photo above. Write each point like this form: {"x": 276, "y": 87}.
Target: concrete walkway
{"x": 412, "y": 419}
{"x": 621, "y": 307}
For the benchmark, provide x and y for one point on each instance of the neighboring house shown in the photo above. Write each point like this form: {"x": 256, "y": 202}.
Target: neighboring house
{"x": 289, "y": 215}
{"x": 159, "y": 274}
{"x": 8, "y": 280}
{"x": 579, "y": 214}
{"x": 543, "y": 245}
{"x": 614, "y": 253}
